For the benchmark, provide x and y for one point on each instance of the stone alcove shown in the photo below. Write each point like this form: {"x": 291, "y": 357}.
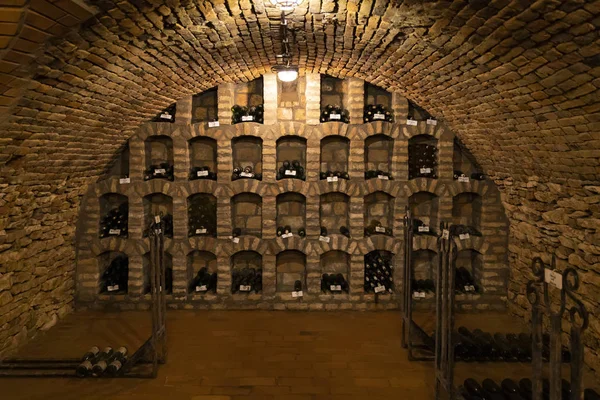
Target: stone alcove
{"x": 246, "y": 213}
{"x": 147, "y": 284}
{"x": 157, "y": 204}
{"x": 202, "y": 215}
{"x": 378, "y": 155}
{"x": 425, "y": 207}
{"x": 159, "y": 156}
{"x": 379, "y": 213}
{"x": 423, "y": 157}
{"x": 466, "y": 210}
{"x": 291, "y": 148}
{"x": 247, "y": 153}
{"x": 291, "y": 211}
{"x": 203, "y": 157}
{"x": 290, "y": 267}
{"x": 196, "y": 260}
{"x": 334, "y": 211}
{"x": 113, "y": 268}
{"x": 335, "y": 153}
{"x": 114, "y": 215}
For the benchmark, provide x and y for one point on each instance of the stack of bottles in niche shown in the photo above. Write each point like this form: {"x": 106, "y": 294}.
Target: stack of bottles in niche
{"x": 376, "y": 227}
{"x": 291, "y": 169}
{"x": 379, "y": 273}
{"x": 377, "y": 113}
{"x": 163, "y": 170}
{"x": 420, "y": 228}
{"x": 204, "y": 281}
{"x": 247, "y": 114}
{"x": 378, "y": 174}
{"x": 114, "y": 279}
{"x": 477, "y": 176}
{"x": 334, "y": 283}
{"x": 97, "y": 363}
{"x": 115, "y": 222}
{"x": 422, "y": 161}
{"x": 202, "y": 217}
{"x": 333, "y": 176}
{"x": 509, "y": 389}
{"x": 246, "y": 280}
{"x": 334, "y": 114}
{"x": 202, "y": 172}
{"x": 240, "y": 172}
{"x": 463, "y": 283}
{"x": 286, "y": 232}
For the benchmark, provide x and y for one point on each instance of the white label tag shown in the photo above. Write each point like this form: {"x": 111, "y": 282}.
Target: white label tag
{"x": 445, "y": 234}
{"x": 384, "y": 177}
{"x": 235, "y": 240}
{"x": 290, "y": 172}
{"x": 246, "y": 118}
{"x": 287, "y": 235}
{"x": 124, "y": 180}
{"x": 335, "y": 116}
{"x": 166, "y": 116}
{"x": 423, "y": 228}
{"x": 114, "y": 232}
{"x": 419, "y": 295}
{"x": 246, "y": 174}
{"x": 469, "y": 288}
{"x": 380, "y": 229}
{"x": 425, "y": 170}
{"x": 411, "y": 122}
{"x": 245, "y": 288}
{"x": 431, "y": 121}
{"x": 332, "y": 179}
{"x": 464, "y": 179}
{"x": 200, "y": 231}
{"x": 378, "y": 116}
{"x": 335, "y": 288}
{"x": 213, "y": 124}
{"x": 324, "y": 239}
{"x": 112, "y": 288}
{"x": 297, "y": 294}
{"x": 201, "y": 288}
{"x": 463, "y": 236}
{"x": 160, "y": 171}
{"x": 157, "y": 219}
{"x": 554, "y": 278}
{"x": 202, "y": 173}
{"x": 379, "y": 289}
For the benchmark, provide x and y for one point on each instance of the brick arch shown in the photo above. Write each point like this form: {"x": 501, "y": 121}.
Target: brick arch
{"x": 157, "y": 186}
{"x": 291, "y": 185}
{"x": 249, "y": 243}
{"x": 381, "y": 242}
{"x": 173, "y": 131}
{"x": 424, "y": 185}
{"x": 392, "y": 188}
{"x": 190, "y": 188}
{"x": 294, "y": 243}
{"x": 476, "y": 243}
{"x": 361, "y": 132}
{"x": 100, "y": 246}
{"x": 478, "y": 187}
{"x": 204, "y": 243}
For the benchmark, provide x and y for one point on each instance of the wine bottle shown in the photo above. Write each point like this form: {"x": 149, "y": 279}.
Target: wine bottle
{"x": 323, "y": 231}
{"x": 91, "y": 354}
{"x": 301, "y": 232}
{"x": 279, "y": 231}
{"x": 473, "y": 388}
{"x": 345, "y": 231}
{"x": 117, "y": 361}
{"x": 102, "y": 361}
{"x": 297, "y": 286}
{"x": 506, "y": 351}
{"x": 492, "y": 389}
{"x": 325, "y": 284}
{"x": 236, "y": 232}
{"x": 84, "y": 369}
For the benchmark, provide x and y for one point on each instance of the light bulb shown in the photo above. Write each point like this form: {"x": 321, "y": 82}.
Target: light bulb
{"x": 287, "y": 75}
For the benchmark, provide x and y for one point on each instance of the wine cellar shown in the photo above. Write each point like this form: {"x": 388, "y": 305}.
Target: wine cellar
{"x": 265, "y": 206}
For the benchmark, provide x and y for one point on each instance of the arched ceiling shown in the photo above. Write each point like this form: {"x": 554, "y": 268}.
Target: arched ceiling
{"x": 516, "y": 80}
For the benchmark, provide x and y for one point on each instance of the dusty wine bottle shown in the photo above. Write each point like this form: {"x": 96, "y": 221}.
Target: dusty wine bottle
{"x": 116, "y": 363}
{"x": 102, "y": 361}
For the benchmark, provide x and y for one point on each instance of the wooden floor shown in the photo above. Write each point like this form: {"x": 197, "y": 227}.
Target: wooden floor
{"x": 252, "y": 355}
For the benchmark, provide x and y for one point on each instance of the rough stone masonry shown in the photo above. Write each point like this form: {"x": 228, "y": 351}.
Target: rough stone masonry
{"x": 516, "y": 80}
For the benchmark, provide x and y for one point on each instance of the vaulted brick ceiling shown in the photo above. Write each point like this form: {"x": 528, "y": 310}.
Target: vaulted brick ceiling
{"x": 517, "y": 80}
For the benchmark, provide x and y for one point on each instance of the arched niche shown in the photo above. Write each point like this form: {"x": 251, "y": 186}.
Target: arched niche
{"x": 335, "y": 263}
{"x": 424, "y": 206}
{"x": 246, "y": 272}
{"x": 291, "y": 157}
{"x": 335, "y": 153}
{"x": 246, "y": 214}
{"x": 290, "y": 267}
{"x": 203, "y": 158}
{"x": 202, "y": 215}
{"x": 466, "y": 210}
{"x": 379, "y": 150}
{"x": 197, "y": 260}
{"x": 424, "y": 264}
{"x": 334, "y": 211}
{"x": 120, "y": 167}
{"x": 158, "y": 204}
{"x": 291, "y": 211}
{"x": 159, "y": 158}
{"x": 113, "y": 272}
{"x": 247, "y": 156}
{"x": 114, "y": 215}
{"x": 205, "y": 106}
{"x": 168, "y": 260}
{"x": 379, "y": 272}
{"x": 375, "y": 95}
{"x": 422, "y": 157}
{"x": 379, "y": 213}
{"x": 472, "y": 261}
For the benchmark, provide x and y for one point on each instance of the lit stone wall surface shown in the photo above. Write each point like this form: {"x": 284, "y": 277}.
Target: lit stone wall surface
{"x": 516, "y": 81}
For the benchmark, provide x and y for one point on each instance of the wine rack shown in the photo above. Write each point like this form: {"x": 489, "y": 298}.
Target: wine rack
{"x": 242, "y": 215}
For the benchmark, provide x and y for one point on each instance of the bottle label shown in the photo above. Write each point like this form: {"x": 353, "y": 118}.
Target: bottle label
{"x": 378, "y": 116}
{"x": 124, "y": 180}
{"x": 464, "y": 179}
{"x": 554, "y": 278}
{"x": 325, "y": 239}
{"x": 287, "y": 235}
{"x": 201, "y": 288}
{"x": 297, "y": 294}
{"x": 335, "y": 116}
{"x": 335, "y": 288}
{"x": 463, "y": 236}
{"x": 423, "y": 228}
{"x": 383, "y": 177}
{"x": 431, "y": 121}
{"x": 425, "y": 170}
{"x": 213, "y": 124}
{"x": 114, "y": 232}
{"x": 202, "y": 173}
{"x": 245, "y": 288}
{"x": 112, "y": 288}
{"x": 157, "y": 219}
{"x": 246, "y": 118}
{"x": 166, "y": 116}
{"x": 445, "y": 234}
{"x": 380, "y": 229}
{"x": 332, "y": 179}
{"x": 159, "y": 171}
{"x": 246, "y": 174}
{"x": 200, "y": 231}
{"x": 290, "y": 172}
{"x": 379, "y": 289}
{"x": 411, "y": 122}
